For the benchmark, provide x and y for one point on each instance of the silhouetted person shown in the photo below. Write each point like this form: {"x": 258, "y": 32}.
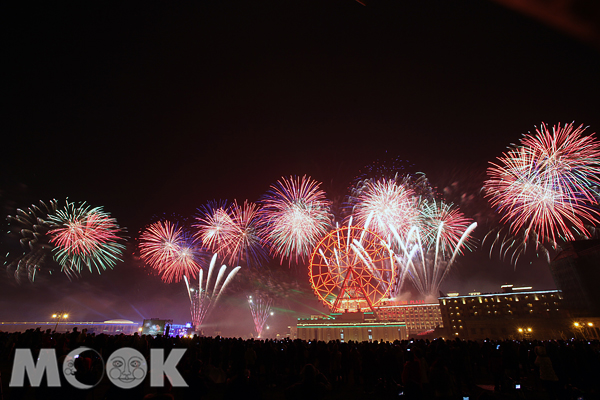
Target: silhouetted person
{"x": 313, "y": 385}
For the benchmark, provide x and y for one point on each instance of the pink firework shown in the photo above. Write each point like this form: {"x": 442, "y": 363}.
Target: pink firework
{"x": 216, "y": 228}
{"x": 260, "y": 307}
{"x": 84, "y": 235}
{"x": 166, "y": 247}
{"x": 247, "y": 243}
{"x": 443, "y": 226}
{"x": 546, "y": 184}
{"x": 232, "y": 232}
{"x": 295, "y": 216}
{"x": 381, "y": 204}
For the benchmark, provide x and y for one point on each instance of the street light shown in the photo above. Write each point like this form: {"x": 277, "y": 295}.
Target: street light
{"x": 525, "y": 331}
{"x": 58, "y": 317}
{"x": 583, "y": 327}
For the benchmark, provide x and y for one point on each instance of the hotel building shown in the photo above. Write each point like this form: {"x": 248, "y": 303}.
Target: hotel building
{"x": 516, "y": 312}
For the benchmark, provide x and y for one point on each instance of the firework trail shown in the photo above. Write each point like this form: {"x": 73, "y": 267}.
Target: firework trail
{"x": 233, "y": 232}
{"x": 294, "y": 216}
{"x": 380, "y": 204}
{"x": 427, "y": 253}
{"x": 31, "y": 226}
{"x": 260, "y": 307}
{"x": 85, "y": 236}
{"x": 546, "y": 187}
{"x": 512, "y": 247}
{"x": 205, "y": 297}
{"x": 167, "y": 248}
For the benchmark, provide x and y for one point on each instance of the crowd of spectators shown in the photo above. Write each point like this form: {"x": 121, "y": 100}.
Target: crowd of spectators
{"x": 232, "y": 368}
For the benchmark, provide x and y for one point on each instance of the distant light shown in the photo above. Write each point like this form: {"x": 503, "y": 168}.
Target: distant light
{"x": 503, "y": 286}
{"x": 523, "y": 288}
{"x": 139, "y": 329}
{"x": 272, "y": 313}
{"x": 576, "y": 324}
{"x": 268, "y": 327}
{"x": 188, "y": 325}
{"x": 520, "y": 329}
{"x": 454, "y": 294}
{"x": 590, "y": 324}
{"x": 65, "y": 315}
{"x": 54, "y": 315}
{"x": 528, "y": 329}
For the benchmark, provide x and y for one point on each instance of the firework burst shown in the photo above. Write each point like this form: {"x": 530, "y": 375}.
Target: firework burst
{"x": 31, "y": 227}
{"x": 380, "y": 204}
{"x": 168, "y": 249}
{"x": 215, "y": 227}
{"x": 85, "y": 236}
{"x": 233, "y": 232}
{"x": 294, "y": 216}
{"x": 548, "y": 184}
{"x": 442, "y": 226}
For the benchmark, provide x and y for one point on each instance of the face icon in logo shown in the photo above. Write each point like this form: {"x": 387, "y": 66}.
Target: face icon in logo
{"x": 73, "y": 361}
{"x": 126, "y": 368}
{"x": 69, "y": 368}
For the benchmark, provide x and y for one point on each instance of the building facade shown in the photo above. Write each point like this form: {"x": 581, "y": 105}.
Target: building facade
{"x": 355, "y": 326}
{"x": 110, "y": 327}
{"x": 516, "y": 312}
{"x": 420, "y": 317}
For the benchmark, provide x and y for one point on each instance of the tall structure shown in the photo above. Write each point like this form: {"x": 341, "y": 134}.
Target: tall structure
{"x": 516, "y": 312}
{"x": 576, "y": 272}
{"x": 351, "y": 269}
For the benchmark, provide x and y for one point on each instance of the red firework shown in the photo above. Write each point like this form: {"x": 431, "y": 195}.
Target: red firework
{"x": 546, "y": 185}
{"x": 165, "y": 247}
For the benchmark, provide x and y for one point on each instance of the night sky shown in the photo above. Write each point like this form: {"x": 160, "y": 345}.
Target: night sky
{"x": 154, "y": 109}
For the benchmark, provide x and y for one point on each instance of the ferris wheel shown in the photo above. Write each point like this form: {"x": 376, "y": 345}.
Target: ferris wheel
{"x": 352, "y": 268}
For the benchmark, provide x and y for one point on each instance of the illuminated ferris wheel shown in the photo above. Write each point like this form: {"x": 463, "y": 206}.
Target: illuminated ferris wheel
{"x": 352, "y": 269}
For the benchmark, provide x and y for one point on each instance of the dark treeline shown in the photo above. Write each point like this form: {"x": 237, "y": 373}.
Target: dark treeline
{"x": 230, "y": 368}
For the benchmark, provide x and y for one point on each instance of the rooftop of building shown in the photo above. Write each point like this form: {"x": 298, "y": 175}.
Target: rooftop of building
{"x": 506, "y": 290}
